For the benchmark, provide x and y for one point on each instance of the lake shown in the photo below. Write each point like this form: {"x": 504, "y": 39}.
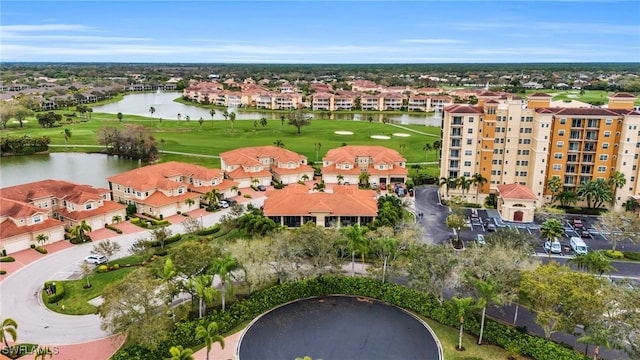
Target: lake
{"x": 90, "y": 169}
{"x": 167, "y": 109}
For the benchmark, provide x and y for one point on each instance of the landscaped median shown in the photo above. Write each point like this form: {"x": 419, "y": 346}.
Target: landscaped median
{"x": 419, "y": 303}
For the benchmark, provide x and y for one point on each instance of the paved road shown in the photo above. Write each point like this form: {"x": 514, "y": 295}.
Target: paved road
{"x": 434, "y": 214}
{"x": 20, "y": 298}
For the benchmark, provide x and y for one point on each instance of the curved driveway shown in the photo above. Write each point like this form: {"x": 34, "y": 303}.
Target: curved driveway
{"x": 20, "y": 293}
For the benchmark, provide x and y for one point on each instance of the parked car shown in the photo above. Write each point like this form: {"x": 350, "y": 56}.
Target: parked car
{"x": 96, "y": 259}
{"x": 231, "y": 202}
{"x": 480, "y": 239}
{"x": 585, "y": 234}
{"x": 262, "y": 188}
{"x": 223, "y": 204}
{"x": 374, "y": 185}
{"x": 556, "y": 248}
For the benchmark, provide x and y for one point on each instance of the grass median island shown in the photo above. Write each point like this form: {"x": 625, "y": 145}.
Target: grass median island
{"x": 214, "y": 137}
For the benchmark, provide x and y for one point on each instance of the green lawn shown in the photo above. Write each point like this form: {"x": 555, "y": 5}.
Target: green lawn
{"x": 76, "y": 296}
{"x": 218, "y": 136}
{"x": 589, "y": 96}
{"x": 448, "y": 337}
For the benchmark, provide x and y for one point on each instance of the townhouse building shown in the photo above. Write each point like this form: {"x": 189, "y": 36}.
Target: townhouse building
{"x": 295, "y": 206}
{"x": 346, "y": 164}
{"x": 164, "y": 189}
{"x": 48, "y": 206}
{"x": 510, "y": 140}
{"x": 259, "y": 165}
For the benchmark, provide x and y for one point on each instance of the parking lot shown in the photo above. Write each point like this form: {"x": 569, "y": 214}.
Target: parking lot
{"x": 484, "y": 222}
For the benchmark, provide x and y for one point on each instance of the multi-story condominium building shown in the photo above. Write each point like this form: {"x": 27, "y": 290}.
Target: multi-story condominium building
{"x": 49, "y": 205}
{"x": 343, "y": 101}
{"x": 509, "y": 140}
{"x": 164, "y": 189}
{"x": 322, "y": 101}
{"x": 371, "y": 102}
{"x": 294, "y": 206}
{"x": 419, "y": 103}
{"x": 260, "y": 164}
{"x": 285, "y": 101}
{"x": 346, "y": 163}
{"x": 392, "y": 101}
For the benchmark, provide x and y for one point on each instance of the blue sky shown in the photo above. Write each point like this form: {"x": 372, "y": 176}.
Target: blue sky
{"x": 320, "y": 31}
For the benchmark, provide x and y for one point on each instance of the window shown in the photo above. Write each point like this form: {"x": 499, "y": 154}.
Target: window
{"x": 470, "y": 130}
{"x": 602, "y": 169}
{"x": 608, "y": 121}
{"x": 471, "y": 119}
{"x": 563, "y": 121}
{"x": 525, "y": 152}
{"x": 607, "y": 133}
{"x": 560, "y": 132}
{"x": 557, "y": 166}
{"x": 380, "y": 167}
{"x": 605, "y": 145}
{"x": 88, "y": 206}
{"x": 526, "y": 141}
{"x": 180, "y": 190}
{"x": 37, "y": 219}
{"x": 560, "y": 144}
{"x": 467, "y": 163}
{"x": 604, "y": 157}
{"x": 468, "y": 152}
{"x": 469, "y": 141}
{"x": 466, "y": 174}
{"x": 557, "y": 155}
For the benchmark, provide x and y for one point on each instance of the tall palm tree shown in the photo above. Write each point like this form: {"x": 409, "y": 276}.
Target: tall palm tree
{"x": 464, "y": 183}
{"x": 554, "y": 185}
{"x": 232, "y": 117}
{"x": 363, "y": 178}
{"x": 213, "y": 196}
{"x": 212, "y": 112}
{"x": 189, "y": 202}
{"x": 9, "y": 328}
{"x": 200, "y": 122}
{"x": 550, "y": 230}
{"x": 594, "y": 262}
{"x": 282, "y": 119}
{"x": 436, "y": 145}
{"x": 354, "y": 236}
{"x": 387, "y": 247}
{"x": 235, "y": 188}
{"x": 179, "y": 116}
{"x": 567, "y": 198}
{"x": 205, "y": 293}
{"x": 340, "y": 178}
{"x": 319, "y": 186}
{"x": 616, "y": 181}
{"x": 179, "y": 353}
{"x": 152, "y": 110}
{"x": 317, "y": 146}
{"x": 488, "y": 293}
{"x": 80, "y": 230}
{"x": 225, "y": 114}
{"x": 594, "y": 192}
{"x": 370, "y": 120}
{"x": 67, "y": 136}
{"x": 210, "y": 336}
{"x": 224, "y": 267}
{"x": 462, "y": 307}
{"x": 426, "y": 148}
{"x": 263, "y": 121}
{"x": 478, "y": 180}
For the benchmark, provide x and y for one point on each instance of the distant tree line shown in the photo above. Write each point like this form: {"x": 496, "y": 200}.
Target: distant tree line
{"x": 24, "y": 145}
{"x": 134, "y": 142}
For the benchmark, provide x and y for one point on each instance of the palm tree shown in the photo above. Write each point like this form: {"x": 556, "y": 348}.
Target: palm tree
{"x": 554, "y": 185}
{"x": 201, "y": 121}
{"x": 551, "y": 229}
{"x": 116, "y": 219}
{"x": 594, "y": 262}
{"x": 263, "y": 121}
{"x": 9, "y": 328}
{"x": 119, "y": 116}
{"x": 213, "y": 196}
{"x": 282, "y": 119}
{"x": 187, "y": 118}
{"x": 304, "y": 177}
{"x": 354, "y": 236}
{"x": 179, "y": 116}
{"x": 462, "y": 306}
{"x": 224, "y": 267}
{"x": 318, "y": 146}
{"x": 426, "y": 148}
{"x": 225, "y": 114}
{"x": 42, "y": 238}
{"x": 205, "y": 293}
{"x": 567, "y": 198}
{"x": 210, "y": 336}
{"x": 631, "y": 205}
{"x": 464, "y": 183}
{"x": 479, "y": 181}
{"x": 235, "y": 188}
{"x": 232, "y": 117}
{"x": 594, "y": 192}
{"x": 80, "y": 230}
{"x": 363, "y": 178}
{"x": 616, "y": 181}
{"x": 488, "y": 293}
{"x": 387, "y": 247}
{"x": 340, "y": 179}
{"x": 178, "y": 353}
{"x": 450, "y": 183}
{"x": 67, "y": 136}
{"x": 152, "y": 110}
{"x": 189, "y": 202}
{"x": 319, "y": 186}
{"x": 212, "y": 112}
{"x": 436, "y": 146}
{"x": 278, "y": 143}
{"x": 370, "y": 119}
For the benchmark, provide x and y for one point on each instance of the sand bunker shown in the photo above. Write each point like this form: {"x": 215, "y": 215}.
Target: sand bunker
{"x": 381, "y": 137}
{"x": 401, "y": 135}
{"x": 343, "y": 132}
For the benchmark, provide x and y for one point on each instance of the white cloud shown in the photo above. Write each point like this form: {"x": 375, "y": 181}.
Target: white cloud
{"x": 432, "y": 41}
{"x": 45, "y": 27}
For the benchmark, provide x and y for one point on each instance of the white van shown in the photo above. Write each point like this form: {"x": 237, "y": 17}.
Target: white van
{"x": 578, "y": 246}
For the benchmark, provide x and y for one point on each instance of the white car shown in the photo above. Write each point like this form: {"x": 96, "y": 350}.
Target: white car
{"x": 223, "y": 204}
{"x": 96, "y": 259}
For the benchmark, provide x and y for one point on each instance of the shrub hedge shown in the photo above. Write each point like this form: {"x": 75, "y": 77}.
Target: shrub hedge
{"x": 113, "y": 228}
{"x": 7, "y": 259}
{"x": 614, "y": 254}
{"x": 168, "y": 240}
{"x": 631, "y": 255}
{"x": 59, "y": 295}
{"x": 263, "y": 300}
{"x": 210, "y": 230}
{"x": 3, "y": 272}
{"x": 41, "y": 250}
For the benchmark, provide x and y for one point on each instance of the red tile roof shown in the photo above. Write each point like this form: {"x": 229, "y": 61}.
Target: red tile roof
{"x": 348, "y": 203}
{"x": 463, "y": 109}
{"x": 9, "y": 229}
{"x": 516, "y": 191}
{"x": 379, "y": 154}
{"x": 107, "y": 206}
{"x": 539, "y": 95}
{"x": 17, "y": 209}
{"x": 623, "y": 96}
{"x": 76, "y": 193}
{"x": 155, "y": 176}
{"x": 249, "y": 156}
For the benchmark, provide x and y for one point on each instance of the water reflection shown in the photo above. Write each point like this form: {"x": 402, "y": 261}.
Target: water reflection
{"x": 167, "y": 109}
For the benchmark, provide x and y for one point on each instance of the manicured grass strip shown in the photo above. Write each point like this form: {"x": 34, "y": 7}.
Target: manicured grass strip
{"x": 76, "y": 298}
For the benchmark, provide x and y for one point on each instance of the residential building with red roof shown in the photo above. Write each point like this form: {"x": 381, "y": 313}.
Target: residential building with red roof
{"x": 510, "y": 140}
{"x": 164, "y": 189}
{"x": 382, "y": 165}
{"x": 258, "y": 165}
{"x": 46, "y": 207}
{"x": 295, "y": 206}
